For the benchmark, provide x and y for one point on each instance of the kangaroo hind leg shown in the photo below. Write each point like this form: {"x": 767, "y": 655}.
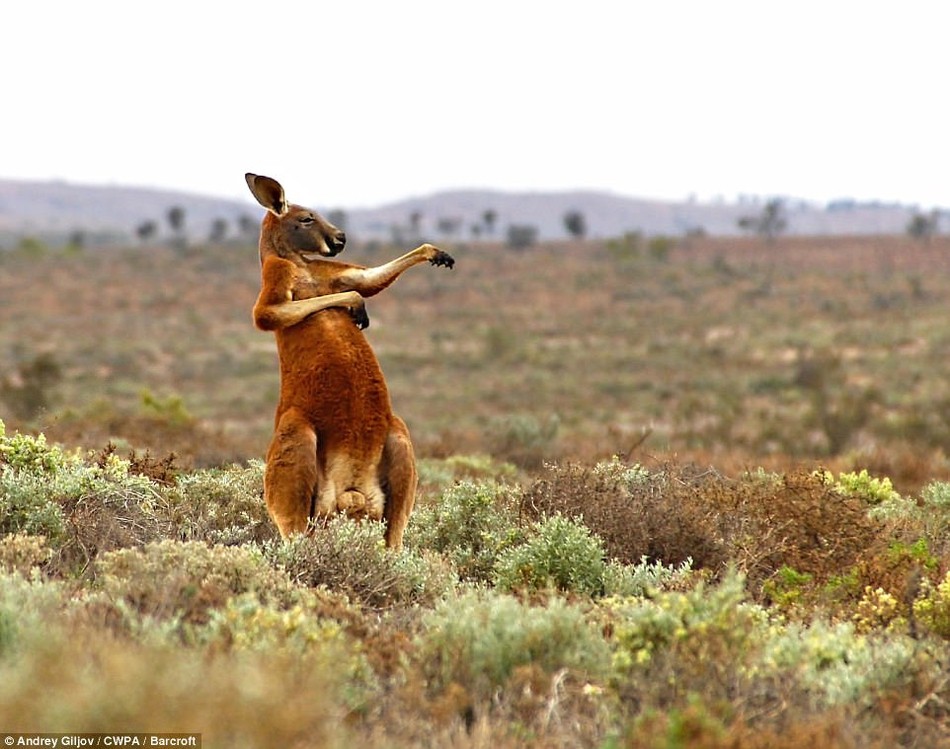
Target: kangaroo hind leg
{"x": 290, "y": 479}
{"x": 398, "y": 478}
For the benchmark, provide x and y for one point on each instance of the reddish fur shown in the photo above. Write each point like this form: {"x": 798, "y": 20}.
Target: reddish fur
{"x": 334, "y": 424}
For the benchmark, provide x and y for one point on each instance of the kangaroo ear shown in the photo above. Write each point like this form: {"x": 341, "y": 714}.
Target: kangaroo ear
{"x": 268, "y": 192}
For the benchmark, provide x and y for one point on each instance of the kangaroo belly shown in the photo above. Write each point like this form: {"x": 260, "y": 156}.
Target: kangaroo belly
{"x": 329, "y": 372}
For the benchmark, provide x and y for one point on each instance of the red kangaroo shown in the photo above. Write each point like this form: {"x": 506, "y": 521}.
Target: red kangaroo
{"x": 337, "y": 444}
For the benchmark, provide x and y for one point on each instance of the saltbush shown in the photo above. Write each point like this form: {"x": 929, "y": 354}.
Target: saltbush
{"x": 833, "y": 663}
{"x": 471, "y": 524}
{"x": 702, "y": 628}
{"x": 352, "y": 558}
{"x": 479, "y": 639}
{"x": 244, "y": 623}
{"x": 182, "y": 583}
{"x": 645, "y": 578}
{"x": 444, "y": 472}
{"x": 861, "y": 484}
{"x": 932, "y": 607}
{"x": 27, "y": 505}
{"x": 558, "y": 554}
{"x": 523, "y": 439}
{"x": 81, "y": 508}
{"x": 22, "y": 553}
{"x": 26, "y": 604}
{"x": 220, "y": 506}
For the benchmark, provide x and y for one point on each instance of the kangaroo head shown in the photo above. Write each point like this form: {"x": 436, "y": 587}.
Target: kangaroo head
{"x": 291, "y": 231}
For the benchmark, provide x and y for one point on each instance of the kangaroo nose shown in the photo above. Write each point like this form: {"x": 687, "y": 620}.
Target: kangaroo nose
{"x": 340, "y": 239}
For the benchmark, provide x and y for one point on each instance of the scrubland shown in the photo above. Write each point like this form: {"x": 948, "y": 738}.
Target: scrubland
{"x": 685, "y": 494}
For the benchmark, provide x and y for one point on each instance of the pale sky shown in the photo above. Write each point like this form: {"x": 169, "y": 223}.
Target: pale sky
{"x": 353, "y": 103}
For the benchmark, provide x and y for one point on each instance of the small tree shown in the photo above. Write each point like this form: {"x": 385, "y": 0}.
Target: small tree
{"x": 522, "y": 236}
{"x": 448, "y": 226}
{"x": 176, "y": 221}
{"x": 489, "y": 217}
{"x": 576, "y": 224}
{"x": 146, "y": 230}
{"x": 769, "y": 223}
{"x": 77, "y": 240}
{"x": 923, "y": 225}
{"x": 219, "y": 229}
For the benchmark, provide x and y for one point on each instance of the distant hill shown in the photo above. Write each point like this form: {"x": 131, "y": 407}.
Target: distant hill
{"x": 56, "y": 209}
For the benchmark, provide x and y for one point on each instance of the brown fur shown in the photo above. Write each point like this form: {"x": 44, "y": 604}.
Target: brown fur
{"x": 337, "y": 445}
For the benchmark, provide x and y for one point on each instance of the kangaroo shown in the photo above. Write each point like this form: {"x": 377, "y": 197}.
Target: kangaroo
{"x": 337, "y": 445}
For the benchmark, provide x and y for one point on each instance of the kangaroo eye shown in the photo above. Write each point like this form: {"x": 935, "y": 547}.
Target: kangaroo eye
{"x": 306, "y": 220}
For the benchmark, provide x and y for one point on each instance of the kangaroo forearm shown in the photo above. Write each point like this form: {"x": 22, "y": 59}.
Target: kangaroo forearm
{"x": 370, "y": 281}
{"x": 286, "y": 314}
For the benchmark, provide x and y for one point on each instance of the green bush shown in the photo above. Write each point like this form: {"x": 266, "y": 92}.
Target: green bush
{"x": 706, "y": 627}
{"x": 444, "y": 472}
{"x": 834, "y": 664}
{"x": 27, "y": 505}
{"x": 932, "y": 607}
{"x": 645, "y": 578}
{"x": 81, "y": 682}
{"x": 478, "y": 640}
{"x": 929, "y": 515}
{"x": 220, "y": 506}
{"x": 28, "y": 453}
{"x": 352, "y": 558}
{"x": 470, "y": 525}
{"x": 81, "y": 508}
{"x": 182, "y": 583}
{"x": 558, "y": 554}
{"x": 861, "y": 484}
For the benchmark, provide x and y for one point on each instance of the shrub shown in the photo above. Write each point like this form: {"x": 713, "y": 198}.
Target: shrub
{"x": 470, "y": 524}
{"x": 82, "y": 683}
{"x": 351, "y": 558}
{"x": 81, "y": 509}
{"x": 478, "y": 640}
{"x": 833, "y": 663}
{"x": 220, "y": 506}
{"x": 761, "y": 524}
{"x": 25, "y": 605}
{"x": 696, "y": 633}
{"x": 182, "y": 583}
{"x": 932, "y": 607}
{"x": 28, "y": 393}
{"x": 25, "y": 452}
{"x": 635, "y": 513}
{"x": 21, "y": 553}
{"x": 927, "y": 517}
{"x": 861, "y": 484}
{"x": 447, "y": 471}
{"x": 27, "y": 505}
{"x": 645, "y": 578}
{"x": 559, "y": 554}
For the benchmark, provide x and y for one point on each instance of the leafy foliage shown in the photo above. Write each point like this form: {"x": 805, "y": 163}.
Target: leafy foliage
{"x": 479, "y": 640}
{"x": 471, "y": 524}
{"x": 558, "y": 554}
